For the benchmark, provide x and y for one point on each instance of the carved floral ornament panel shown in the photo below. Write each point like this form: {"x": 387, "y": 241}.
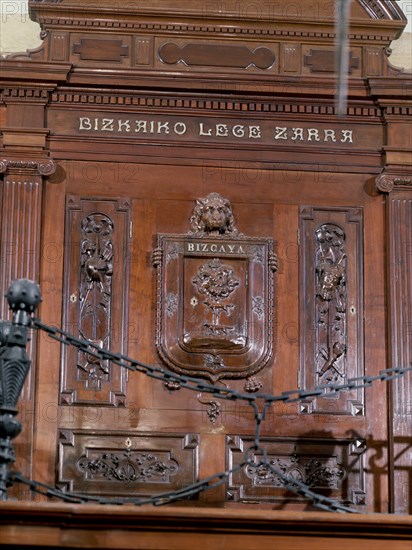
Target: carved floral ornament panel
{"x": 215, "y": 297}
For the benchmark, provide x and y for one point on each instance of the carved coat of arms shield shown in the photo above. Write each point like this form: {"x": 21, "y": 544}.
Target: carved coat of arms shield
{"x": 214, "y": 296}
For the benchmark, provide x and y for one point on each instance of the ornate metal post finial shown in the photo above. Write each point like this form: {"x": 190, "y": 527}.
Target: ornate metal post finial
{"x": 23, "y": 297}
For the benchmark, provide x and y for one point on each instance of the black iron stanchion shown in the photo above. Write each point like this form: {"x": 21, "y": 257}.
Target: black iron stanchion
{"x": 23, "y": 297}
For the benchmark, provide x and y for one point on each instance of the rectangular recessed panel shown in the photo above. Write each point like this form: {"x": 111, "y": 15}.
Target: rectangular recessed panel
{"x": 331, "y": 306}
{"x": 330, "y": 467}
{"x": 127, "y": 463}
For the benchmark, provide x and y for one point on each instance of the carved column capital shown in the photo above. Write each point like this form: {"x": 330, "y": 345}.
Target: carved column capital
{"x": 42, "y": 167}
{"x": 388, "y": 181}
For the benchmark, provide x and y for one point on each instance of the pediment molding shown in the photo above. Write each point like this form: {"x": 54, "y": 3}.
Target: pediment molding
{"x": 232, "y": 17}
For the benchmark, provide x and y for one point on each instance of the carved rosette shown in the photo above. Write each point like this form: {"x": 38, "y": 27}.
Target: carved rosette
{"x": 384, "y": 183}
{"x": 95, "y": 294}
{"x": 215, "y": 297}
{"x": 331, "y": 303}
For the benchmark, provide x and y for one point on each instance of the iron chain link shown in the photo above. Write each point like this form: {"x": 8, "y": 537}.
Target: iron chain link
{"x": 263, "y": 399}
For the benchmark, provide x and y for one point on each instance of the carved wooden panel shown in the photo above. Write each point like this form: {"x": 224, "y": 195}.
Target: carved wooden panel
{"x": 331, "y": 467}
{"x": 216, "y": 55}
{"x": 59, "y": 46}
{"x": 143, "y": 50}
{"x": 290, "y": 58}
{"x": 110, "y": 49}
{"x": 323, "y": 61}
{"x": 331, "y": 305}
{"x": 95, "y": 297}
{"x": 373, "y": 61}
{"x": 126, "y": 463}
{"x": 215, "y": 297}
{"x": 400, "y": 270}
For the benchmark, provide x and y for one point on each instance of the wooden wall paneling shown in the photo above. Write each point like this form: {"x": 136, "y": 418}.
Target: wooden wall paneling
{"x": 142, "y": 325}
{"x": 399, "y": 212}
{"x": 287, "y": 313}
{"x": 212, "y": 461}
{"x": 240, "y": 118}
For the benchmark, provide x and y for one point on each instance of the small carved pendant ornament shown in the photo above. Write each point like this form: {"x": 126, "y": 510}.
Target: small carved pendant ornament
{"x": 215, "y": 297}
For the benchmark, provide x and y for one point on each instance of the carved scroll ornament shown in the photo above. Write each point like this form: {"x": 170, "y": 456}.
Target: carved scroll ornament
{"x": 127, "y": 467}
{"x": 387, "y": 181}
{"x": 44, "y": 167}
{"x": 313, "y": 472}
{"x": 215, "y": 297}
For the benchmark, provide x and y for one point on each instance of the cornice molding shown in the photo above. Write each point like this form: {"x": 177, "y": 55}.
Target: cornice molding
{"x": 205, "y": 103}
{"x": 46, "y": 74}
{"x": 206, "y": 29}
{"x": 383, "y": 9}
{"x": 376, "y": 9}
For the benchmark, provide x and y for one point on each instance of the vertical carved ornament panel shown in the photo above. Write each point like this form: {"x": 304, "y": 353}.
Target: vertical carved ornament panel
{"x": 95, "y": 297}
{"x": 331, "y": 306}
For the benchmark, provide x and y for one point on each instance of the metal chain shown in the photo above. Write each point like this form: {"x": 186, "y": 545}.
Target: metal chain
{"x": 191, "y": 383}
{"x": 157, "y": 500}
{"x": 290, "y": 484}
{"x": 198, "y": 385}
